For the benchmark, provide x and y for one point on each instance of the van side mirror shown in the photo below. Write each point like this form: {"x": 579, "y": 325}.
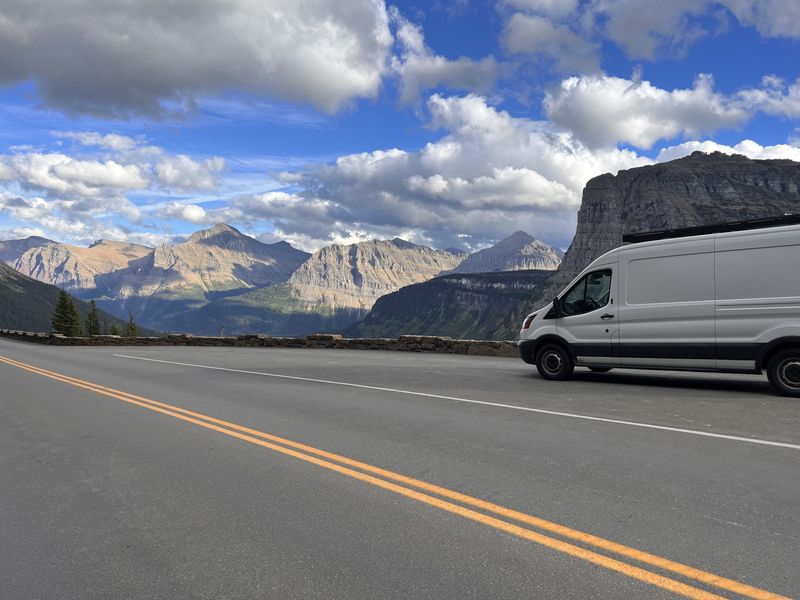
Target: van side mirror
{"x": 557, "y": 313}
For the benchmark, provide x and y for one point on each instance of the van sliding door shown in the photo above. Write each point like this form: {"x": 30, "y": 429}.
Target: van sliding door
{"x": 666, "y": 309}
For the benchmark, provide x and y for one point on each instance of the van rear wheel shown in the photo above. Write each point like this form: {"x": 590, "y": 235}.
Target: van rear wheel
{"x": 783, "y": 372}
{"x": 554, "y": 362}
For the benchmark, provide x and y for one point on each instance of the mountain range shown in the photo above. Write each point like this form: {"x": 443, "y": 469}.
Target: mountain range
{"x": 222, "y": 280}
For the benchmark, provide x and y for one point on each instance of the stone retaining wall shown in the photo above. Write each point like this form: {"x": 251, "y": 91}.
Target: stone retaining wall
{"x": 405, "y": 343}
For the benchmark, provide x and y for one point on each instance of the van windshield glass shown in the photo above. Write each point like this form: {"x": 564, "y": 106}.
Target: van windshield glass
{"x": 590, "y": 293}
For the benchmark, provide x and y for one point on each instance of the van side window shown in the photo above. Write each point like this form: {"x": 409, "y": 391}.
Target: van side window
{"x": 590, "y": 293}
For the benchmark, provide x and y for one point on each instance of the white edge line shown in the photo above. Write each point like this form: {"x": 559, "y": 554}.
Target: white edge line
{"x": 722, "y": 436}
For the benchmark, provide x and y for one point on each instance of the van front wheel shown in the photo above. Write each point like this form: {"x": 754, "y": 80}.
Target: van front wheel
{"x": 554, "y": 362}
{"x": 783, "y": 372}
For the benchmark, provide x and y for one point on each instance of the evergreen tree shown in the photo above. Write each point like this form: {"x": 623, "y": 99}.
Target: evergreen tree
{"x": 74, "y": 319}
{"x": 61, "y": 314}
{"x": 131, "y": 330}
{"x": 114, "y": 329}
{"x": 93, "y": 320}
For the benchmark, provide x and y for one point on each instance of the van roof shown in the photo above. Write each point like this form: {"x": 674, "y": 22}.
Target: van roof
{"x": 743, "y": 225}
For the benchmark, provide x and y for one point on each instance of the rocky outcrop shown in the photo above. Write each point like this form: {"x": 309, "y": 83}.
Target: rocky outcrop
{"x": 489, "y": 306}
{"x": 213, "y": 260}
{"x": 701, "y": 189}
{"x": 355, "y": 276}
{"x": 11, "y": 250}
{"x": 518, "y": 252}
{"x": 76, "y": 268}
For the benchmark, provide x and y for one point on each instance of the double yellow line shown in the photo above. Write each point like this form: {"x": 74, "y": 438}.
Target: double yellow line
{"x": 499, "y": 517}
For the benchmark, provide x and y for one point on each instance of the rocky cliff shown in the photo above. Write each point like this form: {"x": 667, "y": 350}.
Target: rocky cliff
{"x": 355, "y": 276}
{"x": 701, "y": 189}
{"x": 213, "y": 260}
{"x": 489, "y": 306}
{"x": 11, "y": 250}
{"x": 519, "y": 251}
{"x": 76, "y": 268}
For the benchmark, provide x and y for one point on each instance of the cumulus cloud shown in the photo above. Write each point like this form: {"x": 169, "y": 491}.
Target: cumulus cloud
{"x": 110, "y": 141}
{"x": 771, "y": 18}
{"x": 123, "y": 58}
{"x": 182, "y": 173}
{"x": 644, "y": 28}
{"x": 605, "y": 111}
{"x": 191, "y": 213}
{"x": 420, "y": 69}
{"x": 489, "y": 175}
{"x": 747, "y": 148}
{"x": 774, "y": 97}
{"x": 551, "y": 8}
{"x": 536, "y": 35}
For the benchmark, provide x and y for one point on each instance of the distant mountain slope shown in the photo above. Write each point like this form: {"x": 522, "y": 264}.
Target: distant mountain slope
{"x": 518, "y": 252}
{"x": 27, "y": 304}
{"x": 355, "y": 276}
{"x": 218, "y": 259}
{"x": 76, "y": 268}
{"x": 11, "y": 250}
{"x": 467, "y": 306}
{"x": 273, "y": 310}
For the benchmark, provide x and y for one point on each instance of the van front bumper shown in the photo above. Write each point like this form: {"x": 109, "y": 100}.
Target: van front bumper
{"x": 526, "y": 348}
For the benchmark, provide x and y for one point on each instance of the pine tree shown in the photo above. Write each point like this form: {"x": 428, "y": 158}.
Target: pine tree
{"x": 61, "y": 314}
{"x": 131, "y": 330}
{"x": 74, "y": 320}
{"x": 114, "y": 329}
{"x": 93, "y": 320}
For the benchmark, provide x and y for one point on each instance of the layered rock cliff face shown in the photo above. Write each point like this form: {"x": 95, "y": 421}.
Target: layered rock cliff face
{"x": 701, "y": 189}
{"x": 519, "y": 251}
{"x": 11, "y": 250}
{"x": 76, "y": 268}
{"x": 489, "y": 306}
{"x": 213, "y": 260}
{"x": 355, "y": 276}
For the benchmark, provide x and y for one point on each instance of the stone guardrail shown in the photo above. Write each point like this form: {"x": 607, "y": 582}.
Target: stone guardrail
{"x": 405, "y": 343}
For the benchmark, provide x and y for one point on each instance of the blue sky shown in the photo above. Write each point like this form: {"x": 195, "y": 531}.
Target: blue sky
{"x": 446, "y": 123}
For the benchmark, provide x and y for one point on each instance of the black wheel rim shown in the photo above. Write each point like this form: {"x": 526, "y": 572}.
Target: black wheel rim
{"x": 789, "y": 373}
{"x": 552, "y": 362}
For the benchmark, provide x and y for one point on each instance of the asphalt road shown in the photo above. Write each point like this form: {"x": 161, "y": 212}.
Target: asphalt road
{"x": 644, "y": 485}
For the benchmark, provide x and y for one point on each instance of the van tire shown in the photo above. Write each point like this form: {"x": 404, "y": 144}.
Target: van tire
{"x": 783, "y": 372}
{"x": 554, "y": 362}
{"x": 599, "y": 369}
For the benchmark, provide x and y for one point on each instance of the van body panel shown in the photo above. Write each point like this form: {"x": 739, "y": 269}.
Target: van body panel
{"x": 666, "y": 310}
{"x": 757, "y": 277}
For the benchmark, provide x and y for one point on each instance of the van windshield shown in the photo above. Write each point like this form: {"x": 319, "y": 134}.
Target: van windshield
{"x": 591, "y": 292}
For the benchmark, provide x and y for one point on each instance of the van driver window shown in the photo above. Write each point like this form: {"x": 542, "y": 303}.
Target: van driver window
{"x": 590, "y": 293}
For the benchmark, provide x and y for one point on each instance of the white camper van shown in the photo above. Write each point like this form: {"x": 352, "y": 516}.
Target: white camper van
{"x": 720, "y": 298}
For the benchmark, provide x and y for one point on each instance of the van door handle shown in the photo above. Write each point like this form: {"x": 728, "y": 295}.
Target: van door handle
{"x": 607, "y": 316}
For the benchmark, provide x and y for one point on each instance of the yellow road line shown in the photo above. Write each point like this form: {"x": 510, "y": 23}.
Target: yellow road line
{"x": 258, "y": 438}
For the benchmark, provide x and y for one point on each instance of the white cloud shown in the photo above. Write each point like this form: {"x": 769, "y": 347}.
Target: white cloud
{"x": 605, "y": 111}
{"x": 191, "y": 213}
{"x": 551, "y": 8}
{"x": 123, "y": 58}
{"x": 489, "y": 175}
{"x": 420, "y": 69}
{"x": 61, "y": 174}
{"x": 182, "y": 173}
{"x": 748, "y": 148}
{"x": 774, "y": 97}
{"x": 525, "y": 34}
{"x": 111, "y": 141}
{"x": 772, "y": 18}
{"x": 644, "y": 28}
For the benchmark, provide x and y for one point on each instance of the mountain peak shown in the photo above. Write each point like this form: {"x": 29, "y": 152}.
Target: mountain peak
{"x": 220, "y": 229}
{"x": 518, "y": 251}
